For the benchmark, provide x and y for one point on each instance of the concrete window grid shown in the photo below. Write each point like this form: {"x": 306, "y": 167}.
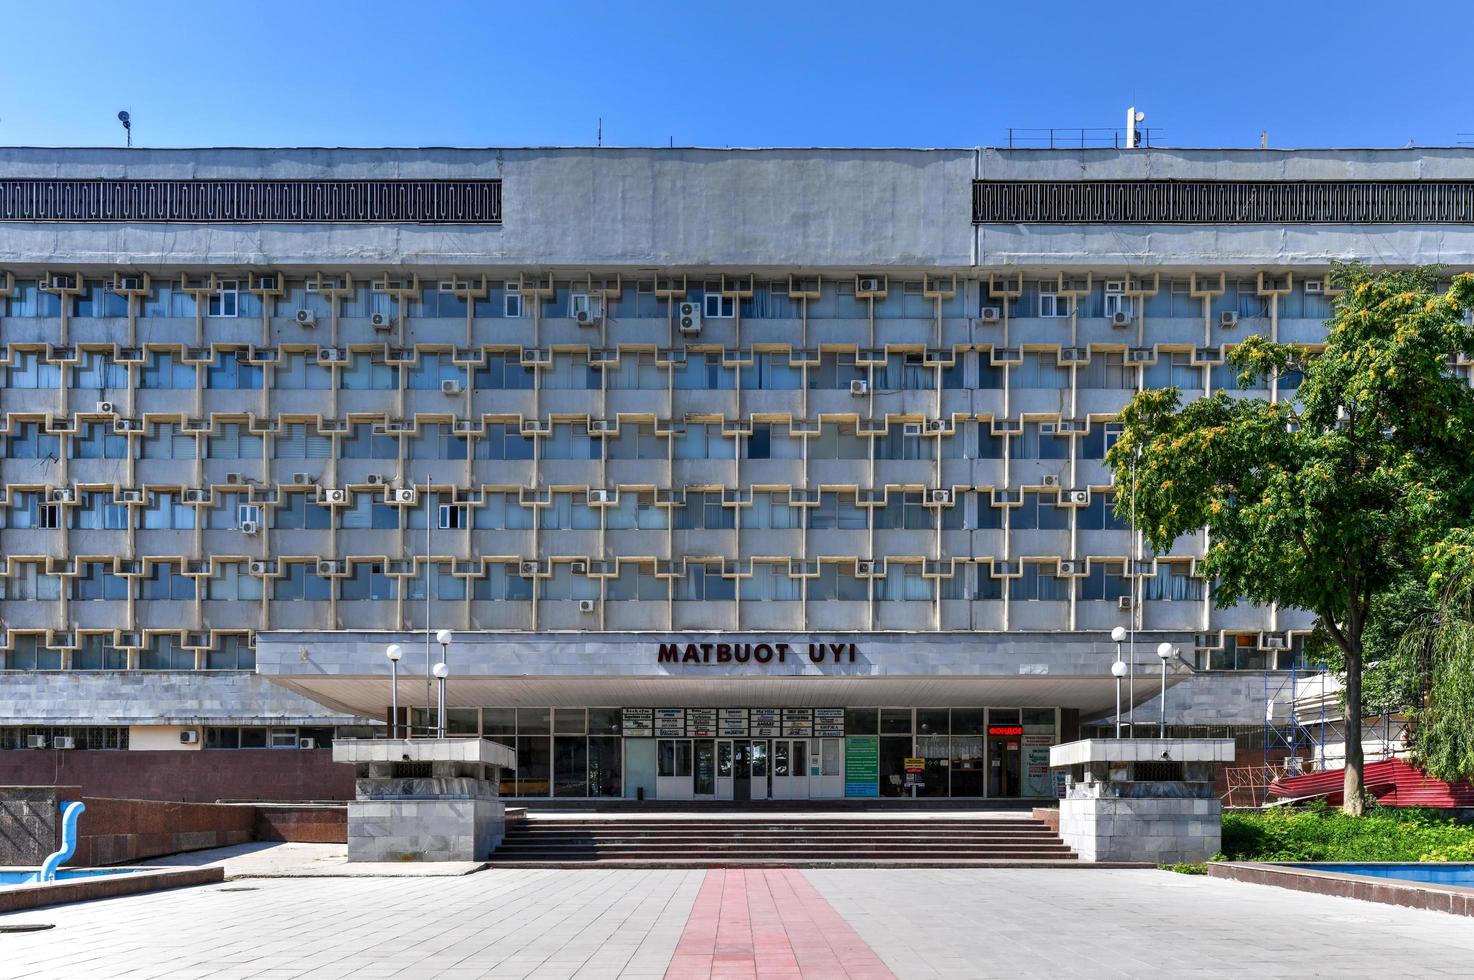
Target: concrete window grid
{"x": 323, "y": 416}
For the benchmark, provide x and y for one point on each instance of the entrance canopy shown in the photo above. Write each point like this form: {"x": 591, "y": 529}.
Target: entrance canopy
{"x": 349, "y": 670}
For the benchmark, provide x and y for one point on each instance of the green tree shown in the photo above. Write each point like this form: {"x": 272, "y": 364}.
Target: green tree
{"x": 1323, "y": 501}
{"x": 1440, "y": 646}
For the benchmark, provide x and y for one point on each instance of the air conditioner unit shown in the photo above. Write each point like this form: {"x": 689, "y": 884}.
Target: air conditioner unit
{"x": 63, "y": 495}
{"x": 306, "y": 743}
{"x": 63, "y": 742}
{"x": 382, "y": 322}
{"x": 331, "y": 355}
{"x": 127, "y": 425}
{"x": 1067, "y": 568}
{"x": 859, "y": 388}
{"x": 131, "y": 283}
{"x": 266, "y": 282}
{"x": 941, "y": 496}
{"x": 250, "y": 527}
{"x": 1124, "y": 603}
{"x": 402, "y": 495}
{"x": 105, "y": 408}
{"x": 234, "y": 478}
{"x": 257, "y": 567}
{"x": 586, "y": 605}
{"x": 601, "y": 425}
{"x": 301, "y": 479}
{"x": 196, "y": 496}
{"x": 991, "y": 314}
{"x": 1120, "y": 318}
{"x": 1050, "y": 480}
{"x": 450, "y": 386}
{"x": 326, "y": 567}
{"x": 868, "y": 284}
{"x": 591, "y": 317}
{"x": 1228, "y": 318}
{"x": 1140, "y": 355}
{"x": 911, "y": 429}
{"x": 61, "y": 282}
{"x": 136, "y": 496}
{"x": 189, "y": 737}
{"x": 527, "y": 569}
{"x": 598, "y": 496}
{"x": 335, "y": 496}
{"x": 306, "y": 318}
{"x": 864, "y": 568}
{"x": 374, "y": 479}
{"x": 1081, "y": 497}
{"x": 1313, "y": 286}
{"x": 1115, "y": 287}
{"x": 35, "y": 741}
{"x": 688, "y": 317}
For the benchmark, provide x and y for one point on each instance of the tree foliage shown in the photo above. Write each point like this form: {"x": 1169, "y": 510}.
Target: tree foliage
{"x": 1441, "y": 646}
{"x": 1324, "y": 501}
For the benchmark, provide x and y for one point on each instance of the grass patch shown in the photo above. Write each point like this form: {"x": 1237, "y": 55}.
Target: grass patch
{"x": 1320, "y": 833}
{"x": 1184, "y": 868}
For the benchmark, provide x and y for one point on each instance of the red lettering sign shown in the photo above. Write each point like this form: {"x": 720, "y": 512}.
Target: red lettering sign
{"x": 1005, "y": 730}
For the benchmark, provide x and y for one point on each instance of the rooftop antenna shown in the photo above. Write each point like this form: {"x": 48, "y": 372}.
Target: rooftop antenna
{"x": 601, "y": 131}
{"x": 127, "y": 122}
{"x": 1263, "y": 139}
{"x": 1132, "y": 118}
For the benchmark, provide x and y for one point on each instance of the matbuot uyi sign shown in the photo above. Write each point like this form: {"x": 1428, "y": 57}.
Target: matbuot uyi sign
{"x": 756, "y": 653}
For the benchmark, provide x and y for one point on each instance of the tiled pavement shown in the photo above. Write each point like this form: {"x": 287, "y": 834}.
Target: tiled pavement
{"x": 1011, "y": 923}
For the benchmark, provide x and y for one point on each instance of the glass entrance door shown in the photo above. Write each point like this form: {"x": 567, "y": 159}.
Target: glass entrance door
{"x": 726, "y": 769}
{"x": 705, "y": 784}
{"x": 759, "y": 766}
{"x": 1003, "y": 766}
{"x": 791, "y": 769}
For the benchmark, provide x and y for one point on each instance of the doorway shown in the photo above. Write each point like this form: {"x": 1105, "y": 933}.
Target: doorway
{"x": 791, "y": 769}
{"x": 639, "y": 768}
{"x": 1003, "y": 766}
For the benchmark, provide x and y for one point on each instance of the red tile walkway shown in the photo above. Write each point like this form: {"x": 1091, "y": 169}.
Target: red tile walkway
{"x": 771, "y": 923}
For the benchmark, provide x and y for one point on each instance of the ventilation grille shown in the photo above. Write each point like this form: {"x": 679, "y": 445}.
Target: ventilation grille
{"x": 253, "y": 201}
{"x": 1222, "y": 201}
{"x": 411, "y": 770}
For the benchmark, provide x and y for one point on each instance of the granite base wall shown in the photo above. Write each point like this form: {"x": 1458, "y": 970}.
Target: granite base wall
{"x": 424, "y": 830}
{"x": 303, "y": 823}
{"x": 184, "y": 776}
{"x": 1159, "y": 830}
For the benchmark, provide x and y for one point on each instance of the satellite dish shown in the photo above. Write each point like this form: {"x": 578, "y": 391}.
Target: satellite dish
{"x": 123, "y": 117}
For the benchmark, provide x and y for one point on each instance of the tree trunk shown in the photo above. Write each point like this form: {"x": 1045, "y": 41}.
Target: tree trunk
{"x": 1351, "y": 803}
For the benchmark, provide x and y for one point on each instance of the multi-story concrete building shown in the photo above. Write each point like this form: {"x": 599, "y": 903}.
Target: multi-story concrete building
{"x": 642, "y": 426}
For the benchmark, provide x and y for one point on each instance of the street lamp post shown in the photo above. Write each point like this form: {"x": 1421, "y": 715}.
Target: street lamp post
{"x": 1164, "y": 653}
{"x": 443, "y": 637}
{"x": 1118, "y": 636}
{"x": 1118, "y": 669}
{"x": 441, "y": 673}
{"x": 393, "y": 652}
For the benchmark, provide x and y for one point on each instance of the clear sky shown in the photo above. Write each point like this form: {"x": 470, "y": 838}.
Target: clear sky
{"x": 719, "y": 73}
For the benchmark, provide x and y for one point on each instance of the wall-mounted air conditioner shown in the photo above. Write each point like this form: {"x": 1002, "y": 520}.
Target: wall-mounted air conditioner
{"x": 586, "y": 605}
{"x": 250, "y": 527}
{"x": 991, "y": 314}
{"x": 450, "y": 386}
{"x": 35, "y": 741}
{"x": 688, "y": 317}
{"x": 189, "y": 737}
{"x": 1315, "y": 286}
{"x": 1228, "y": 318}
{"x": 64, "y": 742}
{"x": 306, "y": 318}
{"x": 859, "y": 388}
{"x": 1120, "y": 318}
{"x": 382, "y": 322}
{"x": 1050, "y": 480}
{"x": 941, "y": 496}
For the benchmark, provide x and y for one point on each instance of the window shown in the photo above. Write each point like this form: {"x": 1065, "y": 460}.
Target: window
{"x": 435, "y": 440}
{"x": 636, "y": 511}
{"x": 230, "y": 369}
{"x": 771, "y": 371}
{"x": 837, "y": 511}
{"x": 97, "y": 440}
{"x": 903, "y": 582}
{"x": 225, "y": 301}
{"x": 1040, "y": 513}
{"x": 431, "y": 369}
{"x": 1041, "y": 369}
{"x": 704, "y": 510}
{"x": 905, "y": 372}
{"x": 703, "y": 440}
{"x": 164, "y": 371}
{"x": 568, "y": 511}
{"x": 1039, "y": 584}
{"x": 570, "y": 440}
{"x": 297, "y": 441}
{"x": 704, "y": 372}
{"x": 1104, "y": 581}
{"x": 98, "y": 511}
{"x": 637, "y": 441}
{"x": 771, "y": 582}
{"x": 232, "y": 582}
{"x": 1173, "y": 369}
{"x": 233, "y": 441}
{"x": 505, "y": 370}
{"x": 704, "y": 583}
{"x": 29, "y": 370}
{"x": 717, "y": 307}
{"x": 504, "y": 441}
{"x": 905, "y": 511}
{"x": 1098, "y": 441}
{"x": 366, "y": 581}
{"x": 231, "y": 652}
{"x": 95, "y": 581}
{"x": 300, "y": 580}
{"x": 897, "y": 444}
{"x": 165, "y": 653}
{"x": 166, "y": 441}
{"x": 29, "y": 653}
{"x": 367, "y": 371}
{"x": 301, "y": 371}
{"x": 28, "y": 580}
{"x": 164, "y": 510}
{"x": 165, "y": 580}
{"x": 565, "y": 584}
{"x": 27, "y": 441}
{"x": 839, "y": 440}
{"x": 502, "y": 583}
{"x": 838, "y": 582}
{"x": 1172, "y": 582}
{"x": 97, "y": 369}
{"x": 1041, "y": 440}
{"x": 298, "y": 512}
{"x": 512, "y": 300}
{"x": 836, "y": 370}
{"x": 443, "y": 585}
{"x": 368, "y": 511}
{"x": 366, "y": 441}
{"x": 1052, "y": 304}
{"x": 636, "y": 583}
{"x": 98, "y": 653}
{"x": 771, "y": 511}
{"x": 1099, "y": 514}
{"x": 1107, "y": 369}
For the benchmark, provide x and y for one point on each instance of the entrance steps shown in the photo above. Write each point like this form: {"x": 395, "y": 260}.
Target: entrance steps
{"x": 806, "y": 841}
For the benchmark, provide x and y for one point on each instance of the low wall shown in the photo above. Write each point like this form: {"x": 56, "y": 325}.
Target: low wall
{"x": 30, "y": 823}
{"x": 302, "y": 822}
{"x": 184, "y": 776}
{"x": 126, "y": 831}
{"x": 1048, "y": 816}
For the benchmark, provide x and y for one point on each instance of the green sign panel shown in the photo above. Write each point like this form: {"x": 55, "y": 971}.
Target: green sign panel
{"x": 862, "y": 765}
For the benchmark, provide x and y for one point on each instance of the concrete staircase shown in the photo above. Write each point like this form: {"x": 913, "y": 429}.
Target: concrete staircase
{"x": 755, "y": 841}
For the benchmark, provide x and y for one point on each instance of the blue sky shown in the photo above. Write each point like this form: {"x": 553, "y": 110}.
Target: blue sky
{"x": 721, "y": 73}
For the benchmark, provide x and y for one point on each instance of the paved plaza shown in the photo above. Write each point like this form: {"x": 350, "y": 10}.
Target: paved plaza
{"x": 781, "y": 923}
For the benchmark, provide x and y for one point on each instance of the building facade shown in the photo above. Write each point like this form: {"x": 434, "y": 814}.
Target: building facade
{"x": 269, "y": 410}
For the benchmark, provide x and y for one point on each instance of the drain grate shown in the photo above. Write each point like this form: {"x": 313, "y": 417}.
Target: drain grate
{"x": 27, "y": 927}
{"x": 243, "y": 888}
